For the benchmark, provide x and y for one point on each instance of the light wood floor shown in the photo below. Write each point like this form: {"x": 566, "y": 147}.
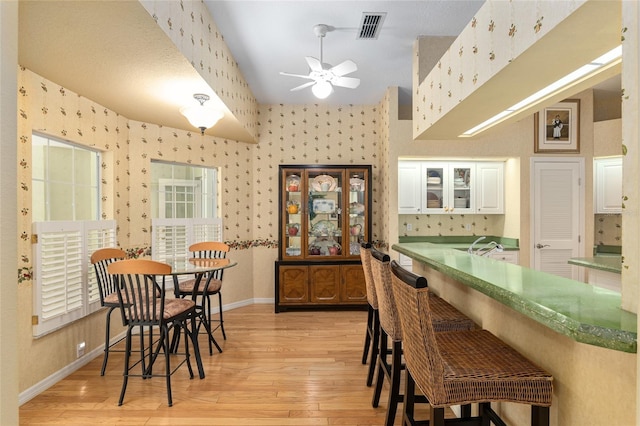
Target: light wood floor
{"x": 293, "y": 368}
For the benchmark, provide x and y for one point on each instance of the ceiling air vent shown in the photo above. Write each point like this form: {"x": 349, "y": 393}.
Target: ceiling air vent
{"x": 370, "y": 25}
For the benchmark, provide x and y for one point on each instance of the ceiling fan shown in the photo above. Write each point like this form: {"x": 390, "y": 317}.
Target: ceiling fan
{"x": 325, "y": 76}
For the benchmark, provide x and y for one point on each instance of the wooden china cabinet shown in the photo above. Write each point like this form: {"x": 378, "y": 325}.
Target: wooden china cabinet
{"x": 324, "y": 215}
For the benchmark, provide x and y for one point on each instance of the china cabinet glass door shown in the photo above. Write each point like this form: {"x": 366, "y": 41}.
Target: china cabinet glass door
{"x": 324, "y": 212}
{"x": 293, "y": 237}
{"x": 357, "y": 214}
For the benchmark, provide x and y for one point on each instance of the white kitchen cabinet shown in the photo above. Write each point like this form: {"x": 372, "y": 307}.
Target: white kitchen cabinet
{"x": 605, "y": 279}
{"x": 448, "y": 187}
{"x": 489, "y": 186}
{"x": 409, "y": 187}
{"x": 405, "y": 261}
{"x": 608, "y": 185}
{"x": 510, "y": 256}
{"x": 429, "y": 187}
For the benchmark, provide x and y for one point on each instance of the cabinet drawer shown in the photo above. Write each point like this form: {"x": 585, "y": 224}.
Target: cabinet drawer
{"x": 511, "y": 256}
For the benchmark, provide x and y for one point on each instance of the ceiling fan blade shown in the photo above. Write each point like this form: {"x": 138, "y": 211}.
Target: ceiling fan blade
{"x": 344, "y": 68}
{"x": 296, "y": 75}
{"x": 314, "y": 64}
{"x": 302, "y": 86}
{"x": 348, "y": 82}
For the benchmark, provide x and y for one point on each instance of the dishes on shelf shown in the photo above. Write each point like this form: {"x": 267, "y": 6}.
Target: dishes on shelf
{"x": 293, "y": 251}
{"x": 434, "y": 180}
{"x": 324, "y": 246}
{"x": 323, "y": 227}
{"x": 433, "y": 201}
{"x": 458, "y": 182}
{"x": 323, "y": 205}
{"x": 460, "y": 203}
{"x": 293, "y": 183}
{"x": 356, "y": 208}
{"x": 356, "y": 184}
{"x": 323, "y": 183}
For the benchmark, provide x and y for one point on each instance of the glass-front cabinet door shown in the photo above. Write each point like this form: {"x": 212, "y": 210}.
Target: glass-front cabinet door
{"x": 292, "y": 238}
{"x": 325, "y": 213}
{"x": 448, "y": 187}
{"x": 460, "y": 184}
{"x": 357, "y": 216}
{"x": 435, "y": 197}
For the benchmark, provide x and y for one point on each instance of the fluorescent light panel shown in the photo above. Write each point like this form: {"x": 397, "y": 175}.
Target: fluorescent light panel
{"x": 608, "y": 58}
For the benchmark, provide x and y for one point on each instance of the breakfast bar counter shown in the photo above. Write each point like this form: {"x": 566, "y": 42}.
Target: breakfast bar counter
{"x": 574, "y": 330}
{"x": 580, "y": 311}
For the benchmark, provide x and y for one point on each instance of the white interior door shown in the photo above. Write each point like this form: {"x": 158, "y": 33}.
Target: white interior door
{"x": 557, "y": 215}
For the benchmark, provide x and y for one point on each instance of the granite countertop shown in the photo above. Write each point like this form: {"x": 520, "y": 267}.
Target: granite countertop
{"x": 608, "y": 263}
{"x": 585, "y": 313}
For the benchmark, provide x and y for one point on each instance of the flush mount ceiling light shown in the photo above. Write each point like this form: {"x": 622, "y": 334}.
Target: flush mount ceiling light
{"x": 202, "y": 116}
{"x": 606, "y": 61}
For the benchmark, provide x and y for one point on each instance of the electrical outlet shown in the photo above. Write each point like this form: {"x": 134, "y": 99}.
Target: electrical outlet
{"x": 467, "y": 227}
{"x": 409, "y": 227}
{"x": 80, "y": 349}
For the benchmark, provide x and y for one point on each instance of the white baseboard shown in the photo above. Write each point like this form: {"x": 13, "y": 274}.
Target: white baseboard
{"x": 45, "y": 384}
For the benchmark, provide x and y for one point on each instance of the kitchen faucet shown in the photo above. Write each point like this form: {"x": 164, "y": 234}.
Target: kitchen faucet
{"x": 490, "y": 248}
{"x": 470, "y": 249}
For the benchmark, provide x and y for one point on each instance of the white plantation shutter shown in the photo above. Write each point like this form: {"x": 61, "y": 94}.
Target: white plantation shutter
{"x": 62, "y": 292}
{"x": 99, "y": 234}
{"x": 206, "y": 230}
{"x": 171, "y": 238}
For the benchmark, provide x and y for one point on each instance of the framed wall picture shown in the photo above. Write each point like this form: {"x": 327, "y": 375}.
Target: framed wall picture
{"x": 557, "y": 128}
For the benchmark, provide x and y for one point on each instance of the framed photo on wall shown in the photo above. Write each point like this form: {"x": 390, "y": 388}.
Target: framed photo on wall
{"x": 557, "y": 128}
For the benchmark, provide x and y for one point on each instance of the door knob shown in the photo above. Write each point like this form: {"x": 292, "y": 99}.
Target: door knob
{"x": 539, "y": 246}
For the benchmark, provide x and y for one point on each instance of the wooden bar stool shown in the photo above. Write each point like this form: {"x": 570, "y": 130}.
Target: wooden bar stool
{"x": 372, "y": 336}
{"x": 461, "y": 367}
{"x": 447, "y": 318}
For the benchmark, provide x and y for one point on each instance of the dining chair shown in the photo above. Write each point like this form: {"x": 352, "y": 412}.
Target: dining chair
{"x": 209, "y": 285}
{"x": 372, "y": 335}
{"x": 143, "y": 304}
{"x": 461, "y": 367}
{"x": 447, "y": 318}
{"x": 101, "y": 259}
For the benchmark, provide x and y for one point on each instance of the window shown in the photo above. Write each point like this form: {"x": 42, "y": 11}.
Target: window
{"x": 182, "y": 191}
{"x": 66, "y": 229}
{"x": 65, "y": 181}
{"x": 184, "y": 209}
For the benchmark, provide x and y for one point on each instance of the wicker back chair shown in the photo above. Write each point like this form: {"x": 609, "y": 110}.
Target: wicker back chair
{"x": 462, "y": 367}
{"x": 445, "y": 318}
{"x": 372, "y": 336}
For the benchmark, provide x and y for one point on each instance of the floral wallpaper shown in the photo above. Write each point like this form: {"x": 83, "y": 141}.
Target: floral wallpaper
{"x": 447, "y": 225}
{"x": 608, "y": 229}
{"x": 311, "y": 134}
{"x": 383, "y": 240}
{"x": 500, "y": 31}
{"x": 194, "y": 32}
{"x": 46, "y": 107}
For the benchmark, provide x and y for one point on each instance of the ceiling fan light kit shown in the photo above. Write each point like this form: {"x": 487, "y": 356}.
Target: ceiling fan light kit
{"x": 324, "y": 77}
{"x": 202, "y": 116}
